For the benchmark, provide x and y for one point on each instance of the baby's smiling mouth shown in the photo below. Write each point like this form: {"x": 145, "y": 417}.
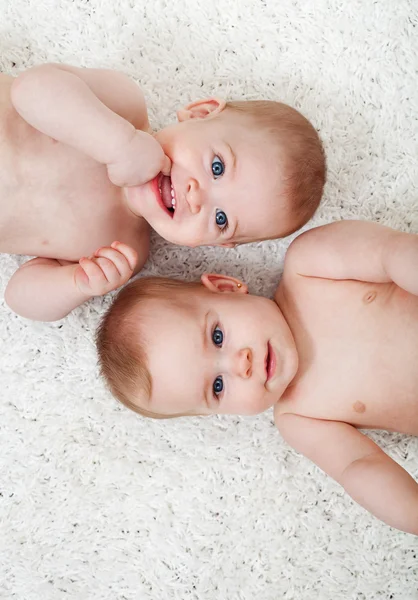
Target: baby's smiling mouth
{"x": 167, "y": 193}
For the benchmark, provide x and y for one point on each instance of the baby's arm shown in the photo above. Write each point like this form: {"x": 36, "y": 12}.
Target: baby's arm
{"x": 45, "y": 289}
{"x": 357, "y": 250}
{"x": 99, "y": 112}
{"x": 369, "y": 475}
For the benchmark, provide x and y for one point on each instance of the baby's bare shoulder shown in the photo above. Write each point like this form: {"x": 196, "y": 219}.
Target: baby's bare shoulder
{"x": 304, "y": 247}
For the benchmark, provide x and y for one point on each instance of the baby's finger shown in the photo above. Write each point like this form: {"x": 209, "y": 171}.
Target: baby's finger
{"x": 81, "y": 278}
{"x": 110, "y": 270}
{"x": 119, "y": 262}
{"x": 88, "y": 277}
{"x": 91, "y": 269}
{"x": 166, "y": 168}
{"x": 128, "y": 252}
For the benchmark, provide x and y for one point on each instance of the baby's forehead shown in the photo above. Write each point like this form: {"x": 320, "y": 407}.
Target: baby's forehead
{"x": 243, "y": 130}
{"x": 180, "y": 307}
{"x": 171, "y": 302}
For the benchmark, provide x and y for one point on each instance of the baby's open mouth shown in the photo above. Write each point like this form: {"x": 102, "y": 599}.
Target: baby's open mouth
{"x": 167, "y": 193}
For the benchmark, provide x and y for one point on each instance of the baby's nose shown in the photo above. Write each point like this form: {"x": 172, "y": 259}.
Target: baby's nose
{"x": 194, "y": 197}
{"x": 244, "y": 363}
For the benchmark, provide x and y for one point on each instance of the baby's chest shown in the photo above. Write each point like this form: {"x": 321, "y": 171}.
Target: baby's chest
{"x": 372, "y": 396}
{"x": 54, "y": 200}
{"x": 337, "y": 390}
{"x": 358, "y": 356}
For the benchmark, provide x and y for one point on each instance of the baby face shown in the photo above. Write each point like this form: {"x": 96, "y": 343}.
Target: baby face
{"x": 225, "y": 353}
{"x": 224, "y": 187}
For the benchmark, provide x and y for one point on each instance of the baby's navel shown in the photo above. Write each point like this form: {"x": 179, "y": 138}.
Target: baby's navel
{"x": 359, "y": 407}
{"x": 369, "y": 297}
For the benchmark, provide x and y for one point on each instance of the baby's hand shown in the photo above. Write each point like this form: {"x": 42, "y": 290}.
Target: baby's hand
{"x": 106, "y": 270}
{"x": 141, "y": 160}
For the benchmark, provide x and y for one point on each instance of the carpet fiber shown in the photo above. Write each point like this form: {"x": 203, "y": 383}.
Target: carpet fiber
{"x": 97, "y": 503}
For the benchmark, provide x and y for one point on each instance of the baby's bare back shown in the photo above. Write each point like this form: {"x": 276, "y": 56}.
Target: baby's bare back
{"x": 358, "y": 349}
{"x": 55, "y": 201}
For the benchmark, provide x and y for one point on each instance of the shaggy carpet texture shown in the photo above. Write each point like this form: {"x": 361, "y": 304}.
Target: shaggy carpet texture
{"x": 98, "y": 503}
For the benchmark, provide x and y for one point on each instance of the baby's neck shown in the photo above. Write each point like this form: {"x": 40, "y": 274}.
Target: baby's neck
{"x": 128, "y": 199}
{"x": 298, "y": 335}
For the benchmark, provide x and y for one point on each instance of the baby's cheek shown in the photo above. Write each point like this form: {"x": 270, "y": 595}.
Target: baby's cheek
{"x": 182, "y": 238}
{"x": 190, "y": 234}
{"x": 256, "y": 403}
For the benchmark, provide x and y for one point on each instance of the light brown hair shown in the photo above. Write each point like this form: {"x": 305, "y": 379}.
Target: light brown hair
{"x": 122, "y": 348}
{"x": 301, "y": 150}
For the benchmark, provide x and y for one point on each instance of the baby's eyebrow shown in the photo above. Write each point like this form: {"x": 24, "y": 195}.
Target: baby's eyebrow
{"x": 234, "y": 158}
{"x": 204, "y": 330}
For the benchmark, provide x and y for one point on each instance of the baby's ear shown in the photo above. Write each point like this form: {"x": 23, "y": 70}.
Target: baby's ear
{"x": 223, "y": 283}
{"x": 201, "y": 109}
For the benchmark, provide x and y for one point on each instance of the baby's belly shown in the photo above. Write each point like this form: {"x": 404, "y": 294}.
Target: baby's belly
{"x": 62, "y": 226}
{"x": 54, "y": 201}
{"x": 362, "y": 365}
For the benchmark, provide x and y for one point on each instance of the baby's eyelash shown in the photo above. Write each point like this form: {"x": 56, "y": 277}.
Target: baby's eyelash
{"x": 225, "y": 228}
{"x": 219, "y": 155}
{"x": 218, "y": 382}
{"x": 216, "y": 155}
{"x": 217, "y": 335}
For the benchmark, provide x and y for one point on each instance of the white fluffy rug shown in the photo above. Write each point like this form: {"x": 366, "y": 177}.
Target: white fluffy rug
{"x": 97, "y": 503}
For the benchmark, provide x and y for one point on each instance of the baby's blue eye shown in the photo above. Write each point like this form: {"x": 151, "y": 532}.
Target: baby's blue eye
{"x": 218, "y": 167}
{"x": 217, "y": 337}
{"x": 218, "y": 386}
{"x": 221, "y": 219}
